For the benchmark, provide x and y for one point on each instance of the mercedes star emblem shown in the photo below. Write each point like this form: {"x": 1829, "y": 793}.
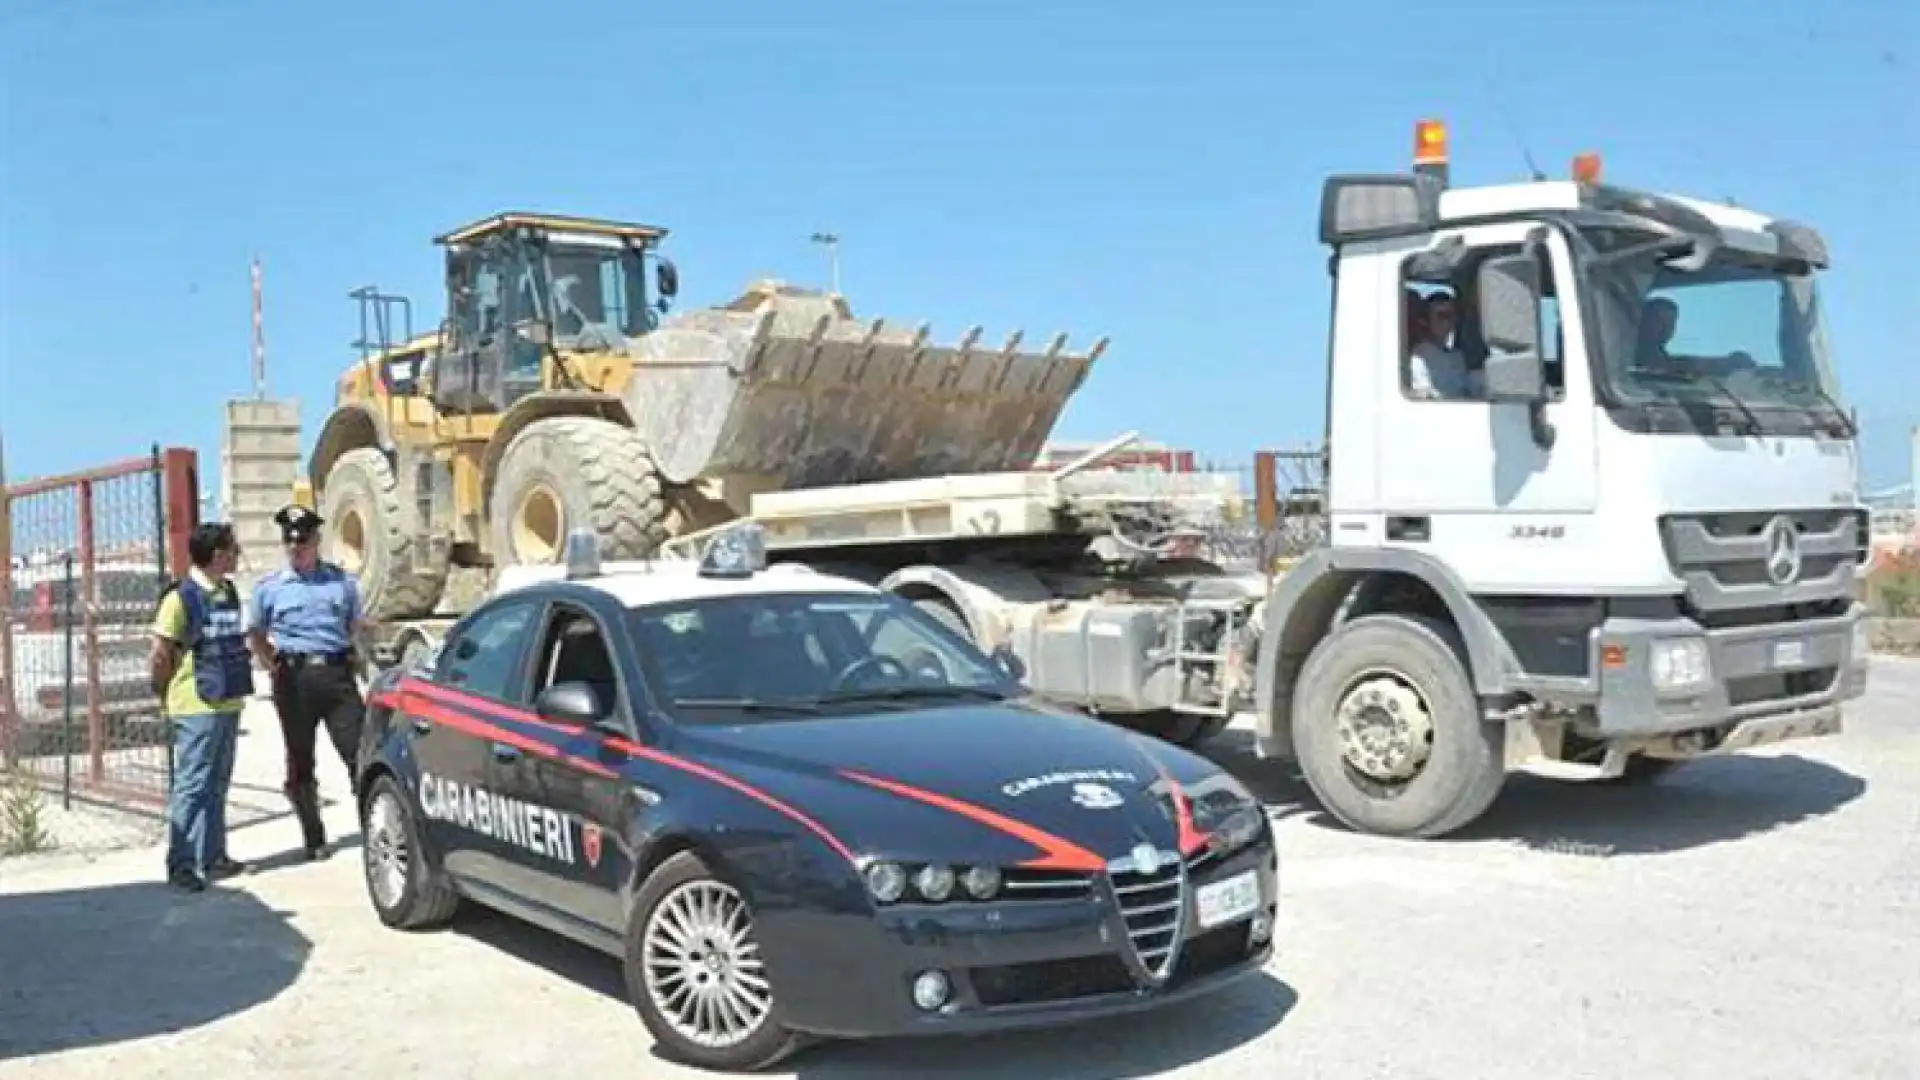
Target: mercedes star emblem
{"x": 1783, "y": 551}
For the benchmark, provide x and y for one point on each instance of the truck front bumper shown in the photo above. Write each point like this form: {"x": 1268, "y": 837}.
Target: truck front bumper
{"x": 1759, "y": 684}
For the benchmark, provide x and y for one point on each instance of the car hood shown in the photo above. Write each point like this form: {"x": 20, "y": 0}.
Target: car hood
{"x": 1012, "y": 782}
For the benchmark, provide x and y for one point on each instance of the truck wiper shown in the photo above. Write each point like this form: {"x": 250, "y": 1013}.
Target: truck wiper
{"x": 1664, "y": 375}
{"x": 1848, "y": 430}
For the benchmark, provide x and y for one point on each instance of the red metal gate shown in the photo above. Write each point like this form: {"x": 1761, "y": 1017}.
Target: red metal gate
{"x": 83, "y": 558}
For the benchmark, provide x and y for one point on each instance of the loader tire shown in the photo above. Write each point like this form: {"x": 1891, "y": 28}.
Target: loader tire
{"x": 369, "y": 533}
{"x": 571, "y": 472}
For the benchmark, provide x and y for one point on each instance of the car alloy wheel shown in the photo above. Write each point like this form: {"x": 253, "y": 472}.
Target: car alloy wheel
{"x": 388, "y": 851}
{"x": 703, "y": 969}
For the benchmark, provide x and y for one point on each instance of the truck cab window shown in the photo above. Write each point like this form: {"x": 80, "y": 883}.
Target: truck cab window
{"x": 1442, "y": 355}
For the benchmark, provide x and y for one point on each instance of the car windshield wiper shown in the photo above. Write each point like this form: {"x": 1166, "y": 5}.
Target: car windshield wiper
{"x": 914, "y": 693}
{"x": 747, "y": 704}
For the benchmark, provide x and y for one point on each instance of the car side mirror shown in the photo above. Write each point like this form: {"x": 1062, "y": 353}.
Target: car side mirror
{"x": 1509, "y": 309}
{"x": 573, "y": 704}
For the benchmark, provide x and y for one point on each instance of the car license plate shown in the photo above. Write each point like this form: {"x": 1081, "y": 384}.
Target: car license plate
{"x": 1789, "y": 653}
{"x": 1225, "y": 901}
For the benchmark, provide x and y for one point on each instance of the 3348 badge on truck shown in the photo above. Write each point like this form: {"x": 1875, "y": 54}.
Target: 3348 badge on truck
{"x": 797, "y": 806}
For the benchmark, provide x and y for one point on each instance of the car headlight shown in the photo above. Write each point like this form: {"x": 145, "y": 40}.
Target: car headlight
{"x": 893, "y": 882}
{"x": 1680, "y": 664}
{"x": 1230, "y": 827}
{"x": 886, "y": 881}
{"x": 982, "y": 882}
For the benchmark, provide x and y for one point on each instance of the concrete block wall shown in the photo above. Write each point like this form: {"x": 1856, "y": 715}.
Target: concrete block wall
{"x": 260, "y": 460}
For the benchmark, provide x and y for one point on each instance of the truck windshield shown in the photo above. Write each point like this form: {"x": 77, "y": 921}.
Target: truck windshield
{"x": 1742, "y": 331}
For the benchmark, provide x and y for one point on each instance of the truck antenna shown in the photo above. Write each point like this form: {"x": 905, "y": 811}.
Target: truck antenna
{"x": 1513, "y": 130}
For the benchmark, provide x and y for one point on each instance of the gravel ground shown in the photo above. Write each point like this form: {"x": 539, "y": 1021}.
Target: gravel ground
{"x": 1752, "y": 917}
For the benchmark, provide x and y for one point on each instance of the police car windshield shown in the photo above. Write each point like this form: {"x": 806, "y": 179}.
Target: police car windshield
{"x": 801, "y": 654}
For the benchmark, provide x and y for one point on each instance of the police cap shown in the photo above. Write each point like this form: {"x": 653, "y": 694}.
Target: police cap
{"x": 297, "y": 523}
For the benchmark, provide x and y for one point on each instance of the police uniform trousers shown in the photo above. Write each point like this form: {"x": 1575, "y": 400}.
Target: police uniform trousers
{"x": 310, "y": 692}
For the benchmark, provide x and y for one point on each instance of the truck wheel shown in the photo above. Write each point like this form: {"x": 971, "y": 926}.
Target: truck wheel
{"x": 371, "y": 535}
{"x": 1388, "y": 729}
{"x": 942, "y": 610}
{"x": 695, "y": 973}
{"x": 571, "y": 472}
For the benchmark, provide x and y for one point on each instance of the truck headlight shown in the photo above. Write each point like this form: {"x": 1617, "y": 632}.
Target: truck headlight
{"x": 1680, "y": 664}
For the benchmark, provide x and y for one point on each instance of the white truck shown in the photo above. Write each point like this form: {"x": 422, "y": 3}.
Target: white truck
{"x": 1615, "y": 540}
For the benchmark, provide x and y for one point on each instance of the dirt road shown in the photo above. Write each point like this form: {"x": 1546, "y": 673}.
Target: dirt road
{"x": 1750, "y": 917}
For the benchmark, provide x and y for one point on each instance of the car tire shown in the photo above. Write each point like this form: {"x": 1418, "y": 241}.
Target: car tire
{"x": 1410, "y": 663}
{"x": 685, "y": 879}
{"x": 417, "y": 895}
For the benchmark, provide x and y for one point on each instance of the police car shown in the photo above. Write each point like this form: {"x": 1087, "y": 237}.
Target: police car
{"x": 793, "y": 806}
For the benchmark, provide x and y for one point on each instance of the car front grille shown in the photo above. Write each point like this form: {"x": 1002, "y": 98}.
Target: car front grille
{"x": 1153, "y": 907}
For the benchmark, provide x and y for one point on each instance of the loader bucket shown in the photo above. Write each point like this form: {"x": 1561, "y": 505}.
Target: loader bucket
{"x": 785, "y": 383}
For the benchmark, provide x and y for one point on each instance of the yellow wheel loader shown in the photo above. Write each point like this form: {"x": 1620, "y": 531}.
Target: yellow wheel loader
{"x": 558, "y": 393}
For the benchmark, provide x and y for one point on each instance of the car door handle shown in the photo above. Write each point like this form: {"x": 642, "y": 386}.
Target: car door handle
{"x": 503, "y": 752}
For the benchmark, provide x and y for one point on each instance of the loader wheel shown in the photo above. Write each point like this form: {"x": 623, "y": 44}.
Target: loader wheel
{"x": 1389, "y": 732}
{"x": 572, "y": 472}
{"x": 370, "y": 534}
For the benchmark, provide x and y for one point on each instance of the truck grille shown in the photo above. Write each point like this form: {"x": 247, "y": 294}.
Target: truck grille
{"x": 1153, "y": 907}
{"x": 1723, "y": 558}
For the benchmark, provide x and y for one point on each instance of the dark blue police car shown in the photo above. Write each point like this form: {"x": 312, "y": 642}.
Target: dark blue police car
{"x": 794, "y": 806}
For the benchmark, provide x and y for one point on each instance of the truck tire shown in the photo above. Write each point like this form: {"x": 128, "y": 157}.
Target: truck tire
{"x": 1388, "y": 729}
{"x": 570, "y": 472}
{"x": 371, "y": 535}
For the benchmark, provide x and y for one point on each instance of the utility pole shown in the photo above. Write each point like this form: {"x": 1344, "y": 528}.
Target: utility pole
{"x": 831, "y": 241}
{"x": 259, "y": 338}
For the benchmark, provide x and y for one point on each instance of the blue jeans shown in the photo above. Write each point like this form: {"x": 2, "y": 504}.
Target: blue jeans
{"x": 203, "y": 752}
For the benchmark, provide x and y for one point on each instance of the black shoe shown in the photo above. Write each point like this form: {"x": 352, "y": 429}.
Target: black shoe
{"x": 317, "y": 852}
{"x": 226, "y": 868}
{"x": 186, "y": 881}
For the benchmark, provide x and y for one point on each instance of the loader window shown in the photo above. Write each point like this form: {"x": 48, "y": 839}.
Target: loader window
{"x": 598, "y": 295}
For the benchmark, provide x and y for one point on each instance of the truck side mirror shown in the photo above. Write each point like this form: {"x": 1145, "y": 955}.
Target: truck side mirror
{"x": 1509, "y": 308}
{"x": 666, "y": 278}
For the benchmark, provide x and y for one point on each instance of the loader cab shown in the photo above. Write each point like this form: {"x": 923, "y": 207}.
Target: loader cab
{"x": 525, "y": 292}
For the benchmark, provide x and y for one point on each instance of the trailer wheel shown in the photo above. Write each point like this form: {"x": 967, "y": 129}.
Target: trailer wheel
{"x": 371, "y": 535}
{"x": 1388, "y": 729}
{"x": 570, "y": 472}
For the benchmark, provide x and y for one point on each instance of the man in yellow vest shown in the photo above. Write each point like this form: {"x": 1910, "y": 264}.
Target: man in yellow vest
{"x": 201, "y": 668}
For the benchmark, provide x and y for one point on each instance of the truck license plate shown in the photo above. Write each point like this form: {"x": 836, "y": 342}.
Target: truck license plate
{"x": 1225, "y": 901}
{"x": 1789, "y": 653}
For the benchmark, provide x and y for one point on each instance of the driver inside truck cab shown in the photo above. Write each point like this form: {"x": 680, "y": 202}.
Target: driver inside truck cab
{"x": 1435, "y": 369}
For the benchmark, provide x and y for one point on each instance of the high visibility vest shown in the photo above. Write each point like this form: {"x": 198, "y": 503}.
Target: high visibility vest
{"x": 222, "y": 667}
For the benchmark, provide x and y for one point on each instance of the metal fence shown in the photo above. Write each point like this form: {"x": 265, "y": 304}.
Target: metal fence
{"x": 85, "y": 558}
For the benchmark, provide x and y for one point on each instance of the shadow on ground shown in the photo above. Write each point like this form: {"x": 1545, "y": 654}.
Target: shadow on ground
{"x": 94, "y": 967}
{"x": 1704, "y": 802}
{"x": 1141, "y": 1045}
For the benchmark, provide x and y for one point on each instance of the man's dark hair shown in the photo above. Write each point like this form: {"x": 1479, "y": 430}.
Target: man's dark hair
{"x": 208, "y": 539}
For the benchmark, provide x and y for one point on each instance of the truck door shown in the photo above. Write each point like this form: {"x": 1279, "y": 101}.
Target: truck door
{"x": 1473, "y": 470}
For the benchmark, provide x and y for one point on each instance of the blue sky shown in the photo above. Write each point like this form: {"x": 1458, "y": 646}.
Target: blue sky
{"x": 1148, "y": 171}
